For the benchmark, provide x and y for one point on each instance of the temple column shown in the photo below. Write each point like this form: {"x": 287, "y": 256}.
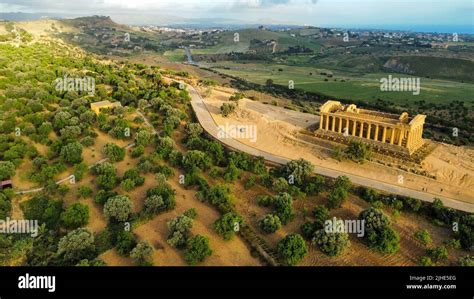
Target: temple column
{"x": 321, "y": 120}
{"x": 346, "y": 127}
{"x": 361, "y": 129}
{"x": 340, "y": 125}
{"x": 392, "y": 135}
{"x": 376, "y": 137}
{"x": 354, "y": 127}
{"x": 327, "y": 122}
{"x": 369, "y": 127}
{"x": 384, "y": 134}
{"x": 333, "y": 128}
{"x": 400, "y": 137}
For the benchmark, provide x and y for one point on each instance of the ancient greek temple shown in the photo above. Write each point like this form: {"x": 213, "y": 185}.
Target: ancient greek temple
{"x": 377, "y": 128}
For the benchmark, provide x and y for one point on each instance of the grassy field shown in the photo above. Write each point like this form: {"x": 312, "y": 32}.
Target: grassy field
{"x": 355, "y": 86}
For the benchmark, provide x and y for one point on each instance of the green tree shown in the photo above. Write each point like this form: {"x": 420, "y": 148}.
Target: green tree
{"x": 196, "y": 159}
{"x": 269, "y": 223}
{"x": 331, "y": 243}
{"x": 438, "y": 254}
{"x": 76, "y": 245}
{"x": 142, "y": 254}
{"x": 118, "y": 208}
{"x": 292, "y": 249}
{"x": 227, "y": 225}
{"x": 71, "y": 153}
{"x": 75, "y": 216}
{"x": 7, "y": 170}
{"x": 321, "y": 213}
{"x": 114, "y": 152}
{"x": 298, "y": 171}
{"x": 198, "y": 249}
{"x": 154, "y": 204}
{"x": 143, "y": 138}
{"x": 423, "y": 236}
{"x": 125, "y": 242}
{"x": 378, "y": 233}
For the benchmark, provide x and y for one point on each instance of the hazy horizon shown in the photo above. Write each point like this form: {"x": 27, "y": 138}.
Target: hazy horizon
{"x": 420, "y": 15}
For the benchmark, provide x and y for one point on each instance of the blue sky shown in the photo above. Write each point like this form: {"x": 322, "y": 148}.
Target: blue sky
{"x": 409, "y": 14}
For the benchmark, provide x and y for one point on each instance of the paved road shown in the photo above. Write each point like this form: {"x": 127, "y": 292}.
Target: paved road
{"x": 210, "y": 126}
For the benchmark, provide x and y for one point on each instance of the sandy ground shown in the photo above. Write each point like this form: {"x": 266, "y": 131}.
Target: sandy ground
{"x": 358, "y": 254}
{"x": 225, "y": 253}
{"x": 453, "y": 166}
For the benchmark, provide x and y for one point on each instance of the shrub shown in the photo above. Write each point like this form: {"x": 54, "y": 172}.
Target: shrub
{"x": 331, "y": 243}
{"x": 358, "y": 151}
{"x": 438, "y": 254}
{"x": 292, "y": 249}
{"x": 228, "y": 225}
{"x": 227, "y": 109}
{"x": 270, "y": 223}
{"x": 466, "y": 232}
{"x": 369, "y": 195}
{"x": 425, "y": 261}
{"x": 250, "y": 182}
{"x": 466, "y": 261}
{"x": 198, "y": 249}
{"x": 84, "y": 192}
{"x": 423, "y": 236}
{"x": 75, "y": 216}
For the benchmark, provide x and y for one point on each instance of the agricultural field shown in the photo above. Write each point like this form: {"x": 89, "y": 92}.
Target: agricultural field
{"x": 355, "y": 86}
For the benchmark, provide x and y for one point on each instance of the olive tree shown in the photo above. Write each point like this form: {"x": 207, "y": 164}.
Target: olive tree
{"x": 298, "y": 170}
{"x": 75, "y": 216}
{"x": 142, "y": 254}
{"x": 269, "y": 223}
{"x": 71, "y": 153}
{"x": 292, "y": 249}
{"x": 76, "y": 245}
{"x": 198, "y": 249}
{"x": 118, "y": 208}
{"x": 227, "y": 225}
{"x": 7, "y": 170}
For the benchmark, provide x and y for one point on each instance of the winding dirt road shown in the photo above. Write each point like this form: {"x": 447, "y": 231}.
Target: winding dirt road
{"x": 210, "y": 126}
